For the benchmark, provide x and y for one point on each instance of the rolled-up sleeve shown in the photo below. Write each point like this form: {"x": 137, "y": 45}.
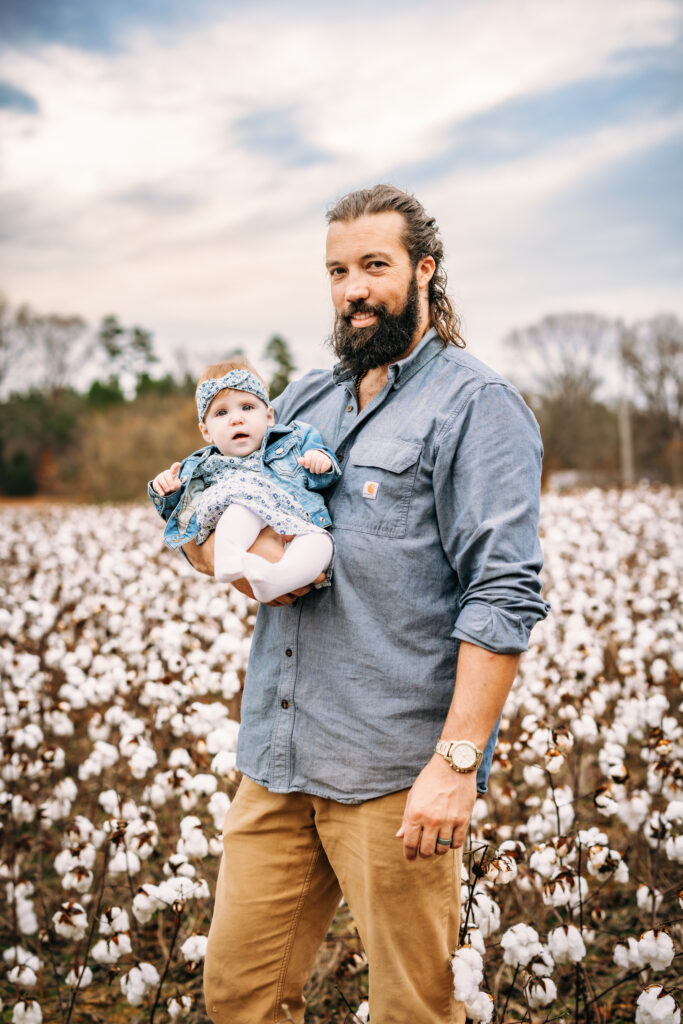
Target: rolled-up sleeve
{"x": 487, "y": 473}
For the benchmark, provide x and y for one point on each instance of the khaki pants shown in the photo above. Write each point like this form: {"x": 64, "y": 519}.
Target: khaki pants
{"x": 287, "y": 860}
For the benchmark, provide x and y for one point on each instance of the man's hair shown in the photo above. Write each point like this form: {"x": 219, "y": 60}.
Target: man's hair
{"x": 420, "y": 238}
{"x": 218, "y": 370}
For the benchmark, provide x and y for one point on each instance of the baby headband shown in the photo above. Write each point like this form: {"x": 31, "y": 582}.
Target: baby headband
{"x": 238, "y": 380}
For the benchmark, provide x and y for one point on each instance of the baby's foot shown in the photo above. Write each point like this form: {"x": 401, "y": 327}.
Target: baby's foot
{"x": 228, "y": 563}
{"x": 258, "y": 571}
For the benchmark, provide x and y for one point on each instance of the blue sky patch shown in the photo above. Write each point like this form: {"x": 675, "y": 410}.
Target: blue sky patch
{"x": 17, "y": 99}
{"x": 275, "y": 132}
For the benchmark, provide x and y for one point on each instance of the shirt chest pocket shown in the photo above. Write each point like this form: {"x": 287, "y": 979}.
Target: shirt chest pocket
{"x": 375, "y": 491}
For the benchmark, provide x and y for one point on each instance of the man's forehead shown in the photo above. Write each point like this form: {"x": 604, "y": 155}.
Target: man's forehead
{"x": 371, "y": 234}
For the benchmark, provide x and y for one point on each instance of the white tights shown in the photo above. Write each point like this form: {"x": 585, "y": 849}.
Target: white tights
{"x": 305, "y": 557}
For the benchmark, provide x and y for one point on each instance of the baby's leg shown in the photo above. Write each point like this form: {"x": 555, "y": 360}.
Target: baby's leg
{"x": 305, "y": 558}
{"x": 236, "y": 531}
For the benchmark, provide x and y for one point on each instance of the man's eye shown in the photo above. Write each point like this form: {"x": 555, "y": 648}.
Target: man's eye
{"x": 377, "y": 264}
{"x": 337, "y": 271}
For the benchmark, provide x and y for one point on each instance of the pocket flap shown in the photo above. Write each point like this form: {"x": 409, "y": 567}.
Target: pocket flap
{"x": 391, "y": 454}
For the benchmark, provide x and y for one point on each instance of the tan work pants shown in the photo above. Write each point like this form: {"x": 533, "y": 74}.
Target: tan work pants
{"x": 287, "y": 860}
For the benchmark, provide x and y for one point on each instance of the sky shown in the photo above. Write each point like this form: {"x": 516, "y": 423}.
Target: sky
{"x": 171, "y": 163}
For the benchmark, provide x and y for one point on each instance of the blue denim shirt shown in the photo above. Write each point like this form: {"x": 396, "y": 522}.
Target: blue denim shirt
{"x": 435, "y": 526}
{"x": 280, "y": 449}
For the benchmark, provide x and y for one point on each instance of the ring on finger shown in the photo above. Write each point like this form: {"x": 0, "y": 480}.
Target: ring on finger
{"x": 444, "y": 842}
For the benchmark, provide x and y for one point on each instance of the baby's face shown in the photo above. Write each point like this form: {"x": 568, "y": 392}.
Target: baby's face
{"x": 236, "y": 422}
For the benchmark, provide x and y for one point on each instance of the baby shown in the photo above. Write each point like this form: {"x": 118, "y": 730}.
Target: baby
{"x": 254, "y": 473}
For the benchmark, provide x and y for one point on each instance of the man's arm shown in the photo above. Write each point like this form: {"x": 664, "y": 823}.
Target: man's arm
{"x": 440, "y": 801}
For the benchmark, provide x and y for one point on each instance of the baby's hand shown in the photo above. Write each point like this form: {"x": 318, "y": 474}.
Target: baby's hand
{"x": 316, "y": 461}
{"x": 168, "y": 481}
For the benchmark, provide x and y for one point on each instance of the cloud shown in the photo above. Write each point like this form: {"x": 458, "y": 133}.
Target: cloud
{"x": 181, "y": 177}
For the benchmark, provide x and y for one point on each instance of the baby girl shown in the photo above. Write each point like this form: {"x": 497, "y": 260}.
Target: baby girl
{"x": 253, "y": 473}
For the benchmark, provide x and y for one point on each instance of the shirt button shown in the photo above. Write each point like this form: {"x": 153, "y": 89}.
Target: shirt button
{"x": 349, "y": 408}
{"x": 284, "y": 704}
{"x": 279, "y": 451}
{"x": 340, "y": 458}
{"x": 288, "y": 652}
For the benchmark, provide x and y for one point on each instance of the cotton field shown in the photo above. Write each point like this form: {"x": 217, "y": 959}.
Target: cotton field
{"x": 121, "y": 672}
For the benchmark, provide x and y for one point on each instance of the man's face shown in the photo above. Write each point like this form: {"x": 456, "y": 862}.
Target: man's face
{"x": 375, "y": 291}
{"x": 236, "y": 422}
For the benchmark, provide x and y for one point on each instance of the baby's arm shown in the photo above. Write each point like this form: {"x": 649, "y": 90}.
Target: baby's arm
{"x": 168, "y": 481}
{"x": 326, "y": 469}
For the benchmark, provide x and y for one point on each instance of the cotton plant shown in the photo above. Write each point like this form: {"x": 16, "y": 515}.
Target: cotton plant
{"x": 120, "y": 668}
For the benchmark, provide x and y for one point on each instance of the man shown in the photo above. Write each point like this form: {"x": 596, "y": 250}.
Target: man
{"x": 349, "y": 688}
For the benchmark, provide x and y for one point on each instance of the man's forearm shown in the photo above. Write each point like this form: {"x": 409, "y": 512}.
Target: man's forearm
{"x": 482, "y": 682}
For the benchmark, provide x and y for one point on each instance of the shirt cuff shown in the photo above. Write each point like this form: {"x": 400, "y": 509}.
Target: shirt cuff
{"x": 492, "y": 628}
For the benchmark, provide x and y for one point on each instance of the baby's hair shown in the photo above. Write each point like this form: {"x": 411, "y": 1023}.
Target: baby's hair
{"x": 217, "y": 370}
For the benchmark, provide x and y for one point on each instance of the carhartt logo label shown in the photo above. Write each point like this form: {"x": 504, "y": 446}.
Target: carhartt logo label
{"x": 370, "y": 488}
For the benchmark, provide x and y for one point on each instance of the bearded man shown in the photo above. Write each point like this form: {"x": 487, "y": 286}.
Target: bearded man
{"x": 370, "y": 706}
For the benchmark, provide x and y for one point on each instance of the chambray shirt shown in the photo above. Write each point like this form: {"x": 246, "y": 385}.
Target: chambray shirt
{"x": 435, "y": 526}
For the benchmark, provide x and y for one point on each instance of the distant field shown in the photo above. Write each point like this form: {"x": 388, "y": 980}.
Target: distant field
{"x": 121, "y": 672}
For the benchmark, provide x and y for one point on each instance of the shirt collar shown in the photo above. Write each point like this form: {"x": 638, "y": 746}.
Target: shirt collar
{"x": 403, "y": 369}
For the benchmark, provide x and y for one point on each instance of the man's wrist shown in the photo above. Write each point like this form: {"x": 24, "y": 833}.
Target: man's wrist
{"x": 461, "y": 755}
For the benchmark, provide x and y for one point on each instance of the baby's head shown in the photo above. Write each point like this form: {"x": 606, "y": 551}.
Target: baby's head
{"x": 233, "y": 410}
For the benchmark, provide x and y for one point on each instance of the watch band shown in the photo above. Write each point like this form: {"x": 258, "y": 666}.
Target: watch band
{"x": 446, "y": 749}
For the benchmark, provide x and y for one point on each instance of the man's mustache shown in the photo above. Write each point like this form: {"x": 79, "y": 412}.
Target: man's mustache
{"x": 362, "y": 307}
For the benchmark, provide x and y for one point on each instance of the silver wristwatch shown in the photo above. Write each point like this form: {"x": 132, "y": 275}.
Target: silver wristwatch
{"x": 461, "y": 755}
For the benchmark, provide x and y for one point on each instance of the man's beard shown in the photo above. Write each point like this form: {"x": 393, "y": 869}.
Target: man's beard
{"x": 360, "y": 349}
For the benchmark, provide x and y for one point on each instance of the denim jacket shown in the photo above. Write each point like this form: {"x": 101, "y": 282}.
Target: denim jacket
{"x": 282, "y": 446}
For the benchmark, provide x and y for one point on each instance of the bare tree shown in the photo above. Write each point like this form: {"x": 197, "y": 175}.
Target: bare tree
{"x": 652, "y": 351}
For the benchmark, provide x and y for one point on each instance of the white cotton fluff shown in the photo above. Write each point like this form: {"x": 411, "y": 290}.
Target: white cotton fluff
{"x": 114, "y": 920}
{"x": 566, "y": 944}
{"x": 485, "y": 913}
{"x": 84, "y": 975}
{"x": 480, "y": 1008}
{"x": 179, "y": 1007}
{"x": 646, "y": 896}
{"x": 673, "y": 847}
{"x": 70, "y": 921}
{"x": 654, "y": 1006}
{"x": 138, "y": 981}
{"x": 194, "y": 948}
{"x": 540, "y": 992}
{"x": 468, "y": 973}
{"x": 656, "y": 949}
{"x": 629, "y": 956}
{"x": 218, "y": 808}
{"x": 23, "y": 976}
{"x": 521, "y": 943}
{"x": 27, "y": 1011}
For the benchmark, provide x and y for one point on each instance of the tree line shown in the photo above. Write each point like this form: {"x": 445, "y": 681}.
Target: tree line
{"x": 87, "y": 414}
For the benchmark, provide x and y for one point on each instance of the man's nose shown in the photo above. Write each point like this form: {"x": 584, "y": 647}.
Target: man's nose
{"x": 356, "y": 288}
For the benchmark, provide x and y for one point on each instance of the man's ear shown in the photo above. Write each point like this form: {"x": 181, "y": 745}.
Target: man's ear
{"x": 205, "y": 432}
{"x": 271, "y": 416}
{"x": 425, "y": 271}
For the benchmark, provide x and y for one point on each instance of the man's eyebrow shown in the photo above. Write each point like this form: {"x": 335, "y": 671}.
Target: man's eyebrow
{"x": 366, "y": 256}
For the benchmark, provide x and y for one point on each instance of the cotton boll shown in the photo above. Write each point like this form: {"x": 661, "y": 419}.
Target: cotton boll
{"x": 194, "y": 948}
{"x": 480, "y": 1008}
{"x": 179, "y": 1006}
{"x": 540, "y": 992}
{"x": 646, "y": 897}
{"x": 656, "y": 949}
{"x": 629, "y": 956}
{"x": 23, "y": 976}
{"x": 566, "y": 944}
{"x": 654, "y": 1006}
{"x": 70, "y": 921}
{"x": 521, "y": 943}
{"x": 468, "y": 972}
{"x": 83, "y": 975}
{"x": 27, "y": 1011}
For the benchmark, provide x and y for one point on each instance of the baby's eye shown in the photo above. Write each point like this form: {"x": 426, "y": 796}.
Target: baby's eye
{"x": 221, "y": 412}
{"x": 247, "y": 407}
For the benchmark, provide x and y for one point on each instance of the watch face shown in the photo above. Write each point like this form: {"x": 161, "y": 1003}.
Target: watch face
{"x": 463, "y": 756}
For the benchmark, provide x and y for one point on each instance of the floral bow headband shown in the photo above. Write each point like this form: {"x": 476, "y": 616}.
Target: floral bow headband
{"x": 237, "y": 380}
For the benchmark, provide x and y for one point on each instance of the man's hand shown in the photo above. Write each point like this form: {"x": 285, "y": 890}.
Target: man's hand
{"x": 439, "y": 805}
{"x": 168, "y": 481}
{"x": 315, "y": 461}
